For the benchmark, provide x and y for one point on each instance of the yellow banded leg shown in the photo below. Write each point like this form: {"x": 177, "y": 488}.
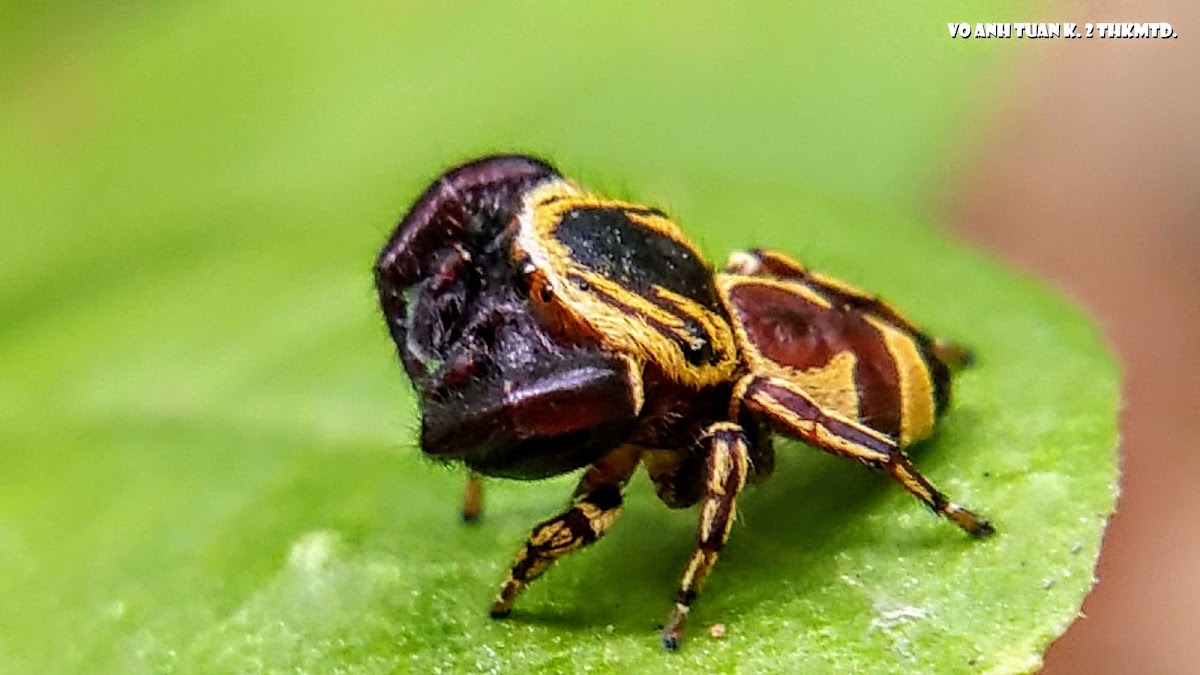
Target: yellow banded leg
{"x": 792, "y": 412}
{"x": 585, "y": 522}
{"x": 725, "y": 476}
{"x": 615, "y": 468}
{"x": 594, "y": 510}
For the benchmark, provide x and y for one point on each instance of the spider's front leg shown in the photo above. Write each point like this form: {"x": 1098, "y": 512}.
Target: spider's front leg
{"x": 725, "y": 476}
{"x": 790, "y": 411}
{"x": 472, "y": 497}
{"x": 595, "y": 508}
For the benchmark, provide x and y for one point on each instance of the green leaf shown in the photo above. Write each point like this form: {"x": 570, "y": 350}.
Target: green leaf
{"x": 207, "y": 457}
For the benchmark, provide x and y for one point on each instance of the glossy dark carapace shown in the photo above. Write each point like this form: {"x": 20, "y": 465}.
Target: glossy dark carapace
{"x": 548, "y": 329}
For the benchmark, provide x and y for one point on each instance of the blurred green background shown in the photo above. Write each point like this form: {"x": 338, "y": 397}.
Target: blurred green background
{"x": 206, "y": 446}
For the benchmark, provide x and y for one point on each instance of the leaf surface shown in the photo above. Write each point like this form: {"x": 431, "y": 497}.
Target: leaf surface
{"x": 207, "y": 446}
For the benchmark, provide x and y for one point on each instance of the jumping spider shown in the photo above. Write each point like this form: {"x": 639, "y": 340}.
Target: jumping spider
{"x": 548, "y": 329}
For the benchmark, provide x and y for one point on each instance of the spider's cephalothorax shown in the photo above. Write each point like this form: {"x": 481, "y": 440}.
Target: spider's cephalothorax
{"x": 548, "y": 329}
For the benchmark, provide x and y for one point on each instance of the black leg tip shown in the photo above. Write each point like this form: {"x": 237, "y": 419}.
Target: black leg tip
{"x": 985, "y": 529}
{"x": 968, "y": 358}
{"x": 670, "y": 643}
{"x": 953, "y": 354}
{"x": 499, "y": 613}
{"x": 470, "y": 517}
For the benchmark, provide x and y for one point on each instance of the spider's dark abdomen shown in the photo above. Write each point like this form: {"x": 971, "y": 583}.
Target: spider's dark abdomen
{"x": 859, "y": 365}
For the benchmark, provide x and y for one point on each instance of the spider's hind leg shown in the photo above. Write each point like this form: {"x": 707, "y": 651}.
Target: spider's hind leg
{"x": 792, "y": 412}
{"x": 953, "y": 354}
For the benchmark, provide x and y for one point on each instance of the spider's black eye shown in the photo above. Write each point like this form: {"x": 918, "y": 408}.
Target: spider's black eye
{"x": 582, "y": 285}
{"x": 547, "y": 294}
